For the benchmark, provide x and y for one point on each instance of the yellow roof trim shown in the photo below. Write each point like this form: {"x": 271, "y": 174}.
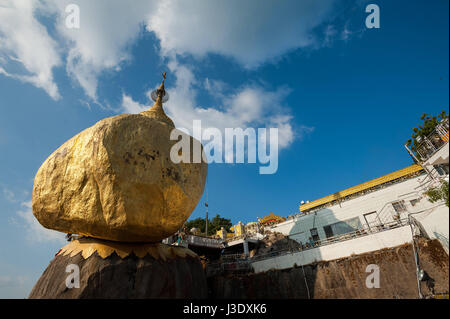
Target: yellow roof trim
{"x": 271, "y": 217}
{"x": 358, "y": 188}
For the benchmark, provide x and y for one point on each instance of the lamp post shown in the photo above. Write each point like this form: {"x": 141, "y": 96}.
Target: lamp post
{"x": 419, "y": 274}
{"x": 206, "y": 222}
{"x": 206, "y": 204}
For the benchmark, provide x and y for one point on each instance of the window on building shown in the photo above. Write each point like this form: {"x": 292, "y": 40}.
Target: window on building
{"x": 328, "y": 231}
{"x": 314, "y": 234}
{"x": 399, "y": 206}
{"x": 343, "y": 227}
{"x": 442, "y": 169}
{"x": 414, "y": 201}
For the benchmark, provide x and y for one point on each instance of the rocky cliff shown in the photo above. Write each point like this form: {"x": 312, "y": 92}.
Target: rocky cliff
{"x": 123, "y": 278}
{"x": 344, "y": 278}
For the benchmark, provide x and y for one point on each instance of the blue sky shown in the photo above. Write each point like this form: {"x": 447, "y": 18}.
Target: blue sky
{"x": 345, "y": 97}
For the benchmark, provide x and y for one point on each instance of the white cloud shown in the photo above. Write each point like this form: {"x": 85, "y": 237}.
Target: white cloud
{"x": 251, "y": 31}
{"x": 107, "y": 29}
{"x": 250, "y": 106}
{"x": 329, "y": 35}
{"x": 9, "y": 195}
{"x": 101, "y": 43}
{"x": 216, "y": 88}
{"x": 25, "y": 42}
{"x": 35, "y": 231}
{"x": 130, "y": 106}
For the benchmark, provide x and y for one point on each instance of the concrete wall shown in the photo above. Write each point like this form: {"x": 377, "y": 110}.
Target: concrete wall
{"x": 436, "y": 224}
{"x": 361, "y": 245}
{"x": 439, "y": 157}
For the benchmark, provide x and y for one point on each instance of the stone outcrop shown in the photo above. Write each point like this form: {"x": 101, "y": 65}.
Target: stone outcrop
{"x": 272, "y": 242}
{"x": 123, "y": 278}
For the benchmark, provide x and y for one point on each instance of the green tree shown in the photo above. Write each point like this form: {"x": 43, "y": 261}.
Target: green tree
{"x": 213, "y": 225}
{"x": 439, "y": 193}
{"x": 429, "y": 124}
{"x": 217, "y": 222}
{"x": 196, "y": 223}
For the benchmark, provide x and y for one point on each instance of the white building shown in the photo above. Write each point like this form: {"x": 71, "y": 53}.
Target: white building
{"x": 372, "y": 215}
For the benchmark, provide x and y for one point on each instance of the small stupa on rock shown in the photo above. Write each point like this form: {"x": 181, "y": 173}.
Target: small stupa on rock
{"x": 115, "y": 185}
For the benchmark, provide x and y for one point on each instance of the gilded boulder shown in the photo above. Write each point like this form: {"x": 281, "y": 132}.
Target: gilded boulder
{"x": 116, "y": 181}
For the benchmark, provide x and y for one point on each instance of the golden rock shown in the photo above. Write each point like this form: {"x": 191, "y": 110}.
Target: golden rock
{"x": 116, "y": 181}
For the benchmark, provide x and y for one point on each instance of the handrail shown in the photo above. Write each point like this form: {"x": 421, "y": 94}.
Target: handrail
{"x": 377, "y": 228}
{"x": 434, "y": 141}
{"x": 377, "y": 211}
{"x": 236, "y": 262}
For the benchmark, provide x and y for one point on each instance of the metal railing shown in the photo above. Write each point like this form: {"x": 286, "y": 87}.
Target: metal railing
{"x": 195, "y": 240}
{"x": 388, "y": 213}
{"x": 237, "y": 263}
{"x": 204, "y": 241}
{"x": 366, "y": 230}
{"x": 434, "y": 141}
